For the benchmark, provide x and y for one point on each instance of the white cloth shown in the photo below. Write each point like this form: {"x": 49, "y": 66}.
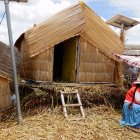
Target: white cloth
{"x": 127, "y": 101}
{"x": 137, "y": 97}
{"x": 13, "y": 99}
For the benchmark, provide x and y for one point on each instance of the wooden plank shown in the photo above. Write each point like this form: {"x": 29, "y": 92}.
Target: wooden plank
{"x": 81, "y": 107}
{"x": 63, "y": 105}
{"x": 69, "y": 92}
{"x": 72, "y": 105}
{"x": 77, "y": 59}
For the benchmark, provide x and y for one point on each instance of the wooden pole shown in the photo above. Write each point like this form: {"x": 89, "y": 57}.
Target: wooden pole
{"x": 119, "y": 64}
{"x": 81, "y": 2}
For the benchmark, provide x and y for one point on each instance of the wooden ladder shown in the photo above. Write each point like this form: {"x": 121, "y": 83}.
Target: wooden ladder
{"x": 64, "y": 105}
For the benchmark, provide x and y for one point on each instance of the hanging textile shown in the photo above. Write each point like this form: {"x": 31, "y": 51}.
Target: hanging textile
{"x": 130, "y": 60}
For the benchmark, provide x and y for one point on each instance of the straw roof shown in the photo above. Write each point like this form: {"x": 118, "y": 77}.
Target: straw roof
{"x": 5, "y": 75}
{"x": 5, "y": 60}
{"x": 76, "y": 20}
{"x": 132, "y": 49}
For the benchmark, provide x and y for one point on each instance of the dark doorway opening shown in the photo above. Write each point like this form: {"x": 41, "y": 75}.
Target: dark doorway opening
{"x": 64, "y": 68}
{"x": 58, "y": 60}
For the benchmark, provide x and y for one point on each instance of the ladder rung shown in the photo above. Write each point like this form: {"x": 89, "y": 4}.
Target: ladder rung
{"x": 69, "y": 105}
{"x": 71, "y": 92}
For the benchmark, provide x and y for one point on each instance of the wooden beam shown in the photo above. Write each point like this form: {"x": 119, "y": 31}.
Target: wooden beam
{"x": 17, "y": 0}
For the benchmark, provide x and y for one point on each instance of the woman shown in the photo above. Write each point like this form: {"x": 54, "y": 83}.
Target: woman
{"x": 131, "y": 107}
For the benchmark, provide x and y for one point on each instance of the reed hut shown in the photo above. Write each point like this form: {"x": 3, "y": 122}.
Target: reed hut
{"x": 75, "y": 45}
{"x": 5, "y": 75}
{"x": 5, "y": 101}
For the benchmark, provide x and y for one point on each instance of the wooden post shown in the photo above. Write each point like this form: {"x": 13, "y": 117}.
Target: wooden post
{"x": 81, "y": 3}
{"x": 77, "y": 59}
{"x": 119, "y": 64}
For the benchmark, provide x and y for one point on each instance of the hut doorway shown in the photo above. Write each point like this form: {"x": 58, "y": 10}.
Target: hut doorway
{"x": 64, "y": 67}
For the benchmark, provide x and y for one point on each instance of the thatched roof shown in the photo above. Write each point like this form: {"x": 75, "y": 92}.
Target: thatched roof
{"x": 132, "y": 49}
{"x": 5, "y": 75}
{"x": 76, "y": 20}
{"x": 5, "y": 60}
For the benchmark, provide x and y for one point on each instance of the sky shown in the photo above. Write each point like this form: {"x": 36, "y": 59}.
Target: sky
{"x": 25, "y": 15}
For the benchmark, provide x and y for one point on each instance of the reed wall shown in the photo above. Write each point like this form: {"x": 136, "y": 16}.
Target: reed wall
{"x": 5, "y": 101}
{"x": 38, "y": 68}
{"x": 94, "y": 66}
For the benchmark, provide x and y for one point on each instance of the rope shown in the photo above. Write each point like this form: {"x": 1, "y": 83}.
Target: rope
{"x": 2, "y": 17}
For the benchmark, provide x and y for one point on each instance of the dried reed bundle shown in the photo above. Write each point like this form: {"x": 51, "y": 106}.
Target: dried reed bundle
{"x": 49, "y": 95}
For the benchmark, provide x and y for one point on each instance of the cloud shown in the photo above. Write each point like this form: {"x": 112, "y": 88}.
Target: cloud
{"x": 129, "y": 5}
{"x": 25, "y": 15}
{"x": 133, "y": 35}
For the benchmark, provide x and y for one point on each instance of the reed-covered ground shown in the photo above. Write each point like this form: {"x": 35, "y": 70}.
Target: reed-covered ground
{"x": 43, "y": 118}
{"x": 101, "y": 123}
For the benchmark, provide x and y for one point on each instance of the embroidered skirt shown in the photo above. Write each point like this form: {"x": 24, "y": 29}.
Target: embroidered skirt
{"x": 130, "y": 117}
